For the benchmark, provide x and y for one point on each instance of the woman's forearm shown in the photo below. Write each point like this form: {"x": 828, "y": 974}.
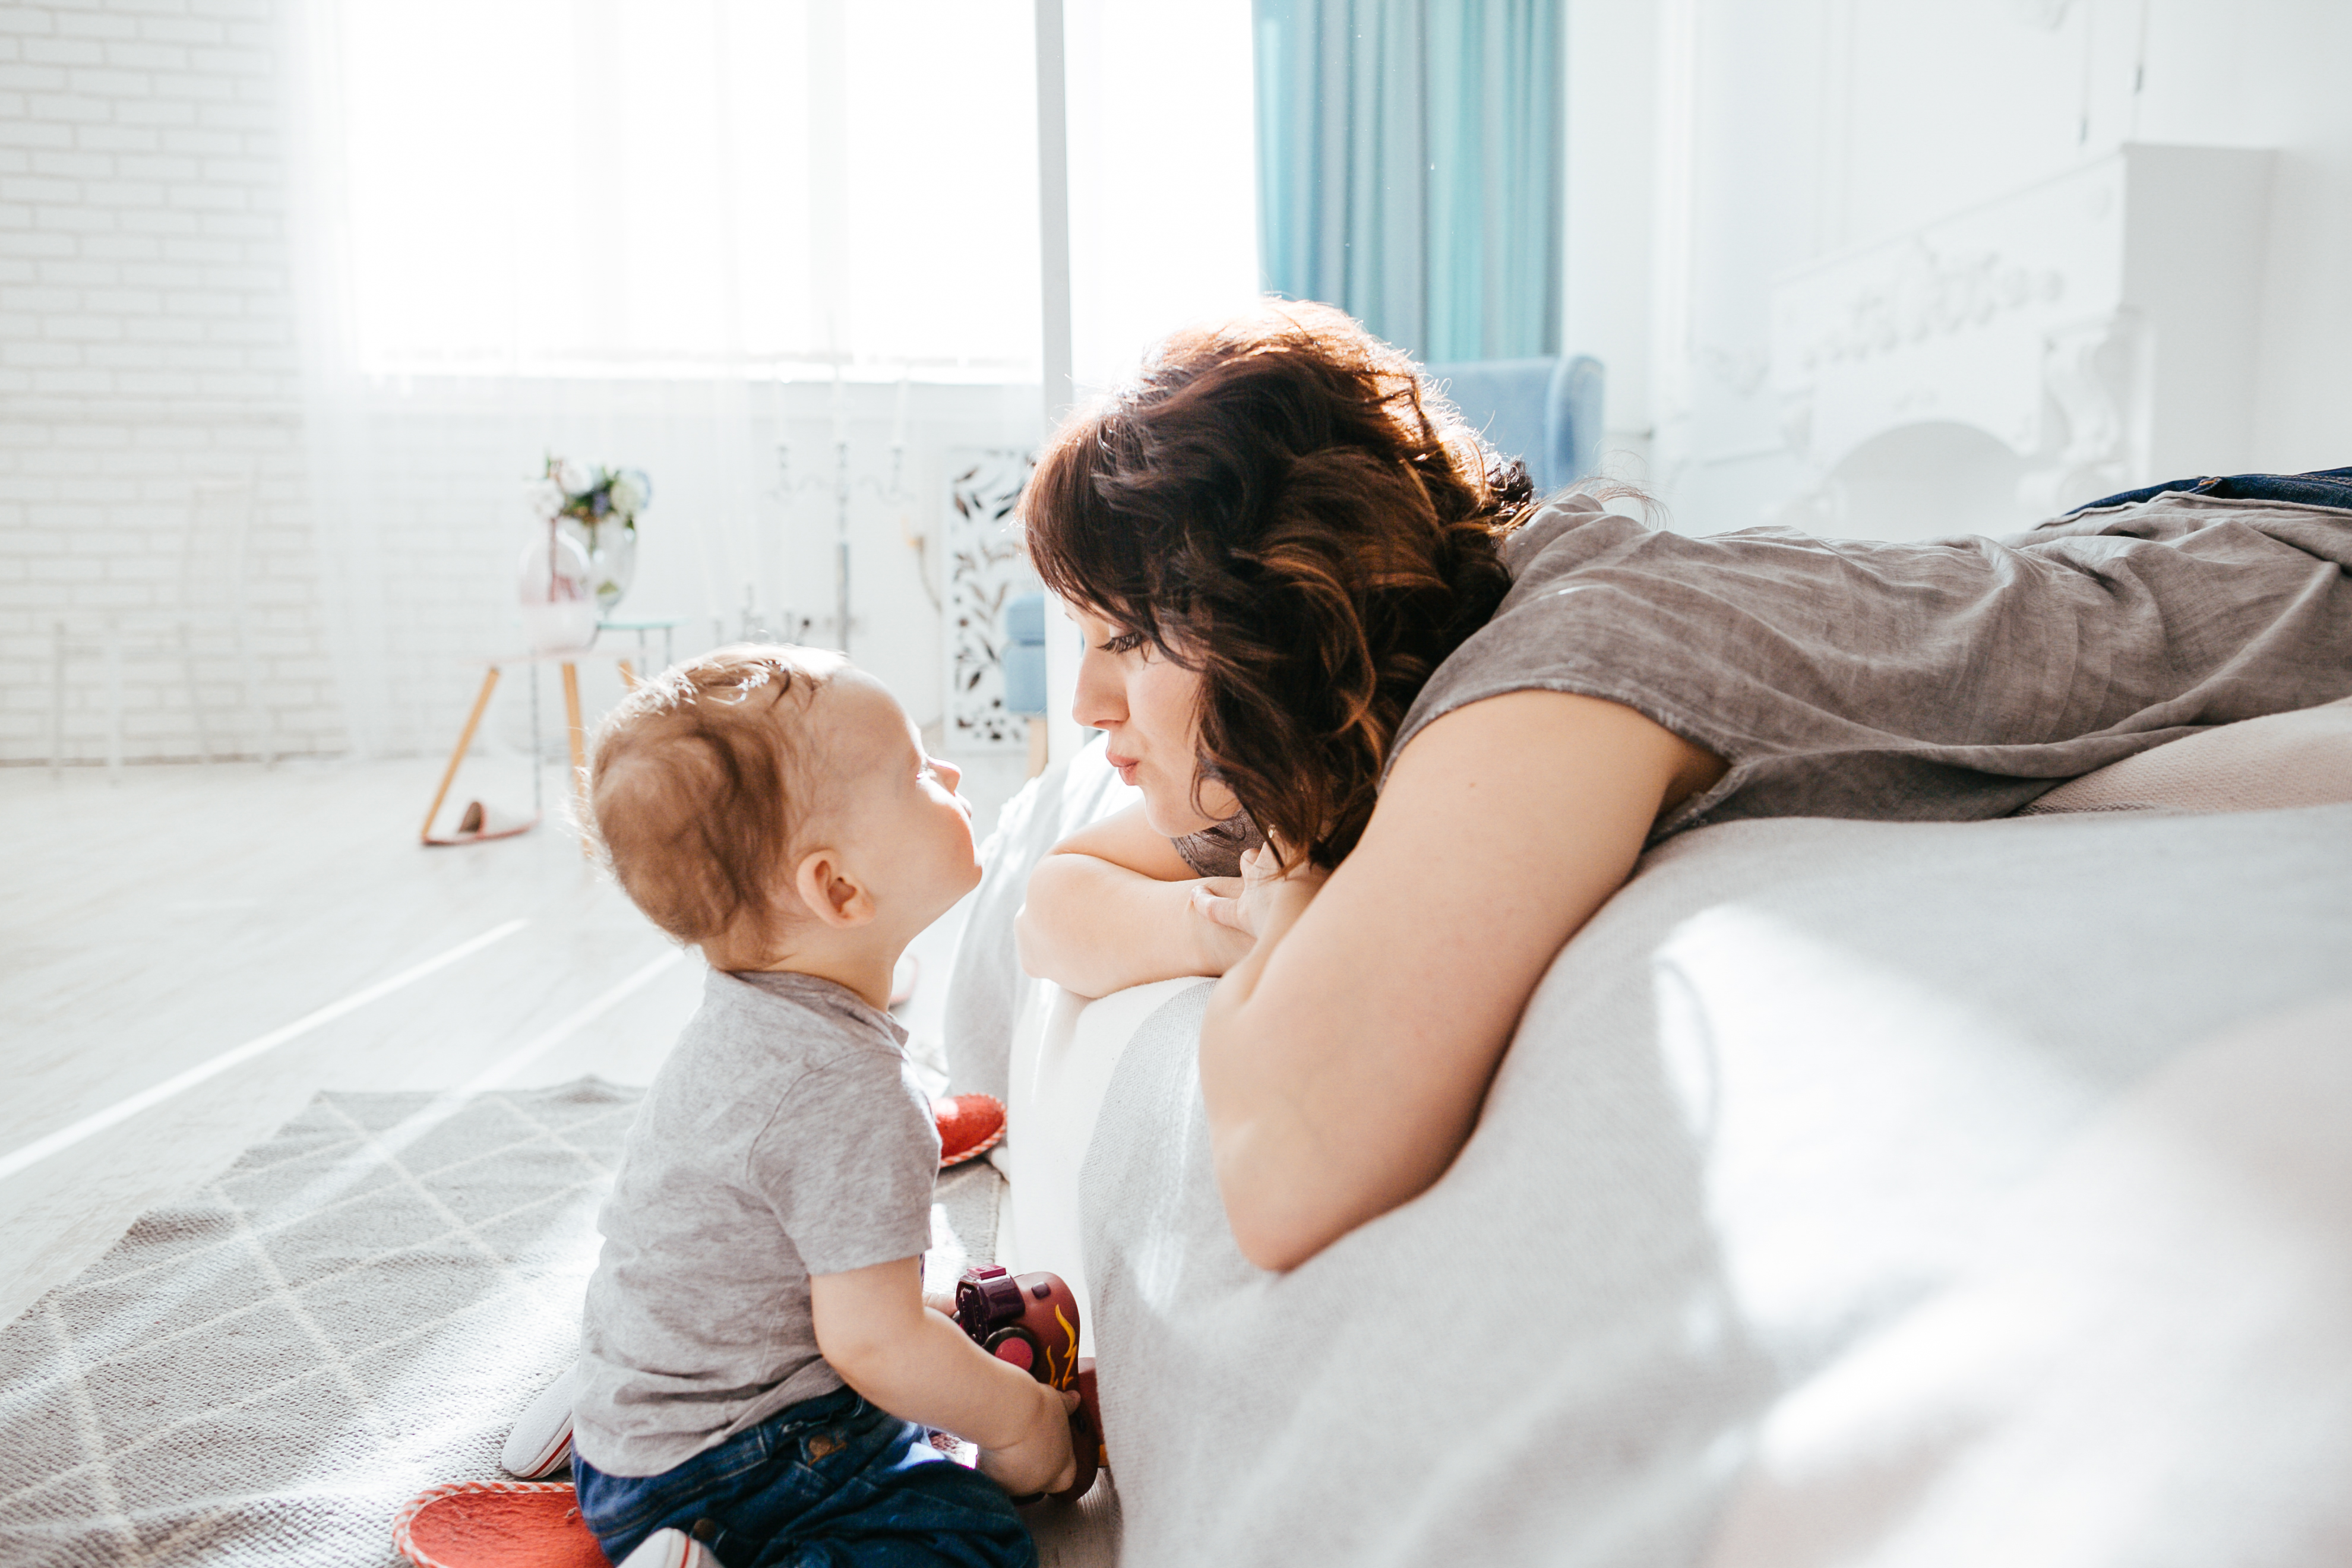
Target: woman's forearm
{"x": 1344, "y": 1061}
{"x": 1093, "y": 927}
{"x": 1293, "y": 1177}
{"x": 1268, "y": 1141}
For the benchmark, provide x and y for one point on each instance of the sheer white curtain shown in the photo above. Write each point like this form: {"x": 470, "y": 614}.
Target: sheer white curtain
{"x": 668, "y": 234}
{"x": 1163, "y": 173}
{"x": 677, "y": 187}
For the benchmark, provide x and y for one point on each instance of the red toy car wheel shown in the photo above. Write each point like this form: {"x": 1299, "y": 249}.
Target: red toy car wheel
{"x": 1017, "y": 1345}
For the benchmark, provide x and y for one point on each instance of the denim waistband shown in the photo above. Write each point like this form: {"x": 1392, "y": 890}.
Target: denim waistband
{"x": 2322, "y": 487}
{"x": 624, "y": 1502}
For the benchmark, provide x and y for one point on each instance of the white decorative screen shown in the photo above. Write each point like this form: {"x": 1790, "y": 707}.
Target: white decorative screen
{"x": 986, "y": 572}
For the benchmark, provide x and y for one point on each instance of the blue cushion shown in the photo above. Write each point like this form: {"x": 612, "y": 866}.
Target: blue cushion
{"x": 1544, "y": 412}
{"x": 1024, "y": 654}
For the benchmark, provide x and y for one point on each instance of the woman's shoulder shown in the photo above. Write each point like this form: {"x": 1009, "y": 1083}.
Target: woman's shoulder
{"x": 1561, "y": 527}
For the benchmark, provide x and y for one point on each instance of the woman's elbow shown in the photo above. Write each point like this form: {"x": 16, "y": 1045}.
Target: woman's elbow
{"x": 1049, "y": 950}
{"x": 1288, "y": 1192}
{"x": 1271, "y": 1240}
{"x": 1030, "y": 943}
{"x": 1279, "y": 1218}
{"x": 1040, "y": 930}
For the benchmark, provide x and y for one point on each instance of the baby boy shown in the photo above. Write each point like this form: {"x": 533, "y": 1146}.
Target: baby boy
{"x": 757, "y": 1363}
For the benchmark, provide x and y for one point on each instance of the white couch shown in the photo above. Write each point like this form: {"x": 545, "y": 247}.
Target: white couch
{"x": 1853, "y": 1193}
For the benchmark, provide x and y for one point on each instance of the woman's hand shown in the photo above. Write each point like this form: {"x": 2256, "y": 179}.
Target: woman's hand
{"x": 1273, "y": 891}
{"x": 1225, "y": 938}
{"x": 1039, "y": 1459}
{"x": 1112, "y": 906}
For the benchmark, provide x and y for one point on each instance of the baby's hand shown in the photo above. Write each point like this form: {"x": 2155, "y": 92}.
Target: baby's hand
{"x": 1040, "y": 1460}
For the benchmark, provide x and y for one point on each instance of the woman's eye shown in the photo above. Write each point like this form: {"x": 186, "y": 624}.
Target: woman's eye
{"x": 1122, "y": 642}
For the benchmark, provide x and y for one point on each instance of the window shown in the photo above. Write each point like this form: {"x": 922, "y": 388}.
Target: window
{"x": 688, "y": 187}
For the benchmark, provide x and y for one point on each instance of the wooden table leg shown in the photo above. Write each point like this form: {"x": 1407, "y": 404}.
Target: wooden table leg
{"x": 578, "y": 751}
{"x": 465, "y": 739}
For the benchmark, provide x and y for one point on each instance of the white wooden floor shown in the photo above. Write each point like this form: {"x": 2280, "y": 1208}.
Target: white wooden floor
{"x": 148, "y": 927}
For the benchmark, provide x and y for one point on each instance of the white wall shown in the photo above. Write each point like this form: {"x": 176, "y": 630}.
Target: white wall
{"x": 1790, "y": 130}
{"x": 437, "y": 531}
{"x": 148, "y": 339}
{"x": 145, "y": 341}
{"x": 1612, "y": 129}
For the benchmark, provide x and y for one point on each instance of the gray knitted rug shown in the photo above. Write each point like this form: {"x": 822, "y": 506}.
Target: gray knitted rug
{"x": 354, "y": 1311}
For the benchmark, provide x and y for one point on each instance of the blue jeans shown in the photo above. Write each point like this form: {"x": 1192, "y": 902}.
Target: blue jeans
{"x": 831, "y": 1480}
{"x": 2323, "y": 487}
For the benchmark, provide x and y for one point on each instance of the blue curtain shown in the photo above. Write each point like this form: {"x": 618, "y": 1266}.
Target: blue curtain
{"x": 1409, "y": 168}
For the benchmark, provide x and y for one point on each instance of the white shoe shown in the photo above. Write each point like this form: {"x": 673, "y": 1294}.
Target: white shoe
{"x": 670, "y": 1548}
{"x": 541, "y": 1442}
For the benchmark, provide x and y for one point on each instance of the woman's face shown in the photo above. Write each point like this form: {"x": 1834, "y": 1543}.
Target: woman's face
{"x": 1149, "y": 706}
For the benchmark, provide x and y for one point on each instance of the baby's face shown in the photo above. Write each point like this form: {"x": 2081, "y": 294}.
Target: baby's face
{"x": 909, "y": 830}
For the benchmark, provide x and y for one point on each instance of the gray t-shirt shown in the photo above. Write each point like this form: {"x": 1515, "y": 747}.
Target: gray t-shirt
{"x": 1950, "y": 679}
{"x": 786, "y": 1136}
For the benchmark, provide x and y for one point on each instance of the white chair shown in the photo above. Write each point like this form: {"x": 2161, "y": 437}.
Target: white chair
{"x": 211, "y": 597}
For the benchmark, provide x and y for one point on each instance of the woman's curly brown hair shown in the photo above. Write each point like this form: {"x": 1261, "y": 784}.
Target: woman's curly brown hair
{"x": 1280, "y": 503}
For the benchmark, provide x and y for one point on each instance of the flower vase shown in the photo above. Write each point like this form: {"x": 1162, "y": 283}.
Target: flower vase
{"x": 612, "y": 560}
{"x": 555, "y": 588}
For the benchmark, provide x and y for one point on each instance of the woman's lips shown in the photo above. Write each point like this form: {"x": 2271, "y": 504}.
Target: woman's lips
{"x": 1125, "y": 768}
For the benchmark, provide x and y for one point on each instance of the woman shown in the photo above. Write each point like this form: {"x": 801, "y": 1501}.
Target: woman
{"x": 1317, "y": 607}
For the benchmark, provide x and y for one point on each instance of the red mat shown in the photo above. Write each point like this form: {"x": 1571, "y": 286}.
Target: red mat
{"x": 511, "y": 1524}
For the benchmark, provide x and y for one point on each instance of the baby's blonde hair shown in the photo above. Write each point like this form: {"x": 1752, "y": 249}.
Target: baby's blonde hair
{"x": 698, "y": 790}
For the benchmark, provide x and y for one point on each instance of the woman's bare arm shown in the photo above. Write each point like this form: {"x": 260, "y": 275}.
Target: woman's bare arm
{"x": 1111, "y": 907}
{"x": 1343, "y": 1061}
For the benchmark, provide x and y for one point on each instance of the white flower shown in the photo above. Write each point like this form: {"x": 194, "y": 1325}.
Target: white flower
{"x": 572, "y": 477}
{"x": 630, "y": 492}
{"x": 544, "y": 497}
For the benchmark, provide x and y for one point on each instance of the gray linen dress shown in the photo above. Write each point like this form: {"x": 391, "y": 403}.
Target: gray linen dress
{"x": 1943, "y": 680}
{"x": 1946, "y": 680}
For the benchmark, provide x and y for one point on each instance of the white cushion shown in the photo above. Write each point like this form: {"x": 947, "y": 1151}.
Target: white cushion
{"x": 2303, "y": 758}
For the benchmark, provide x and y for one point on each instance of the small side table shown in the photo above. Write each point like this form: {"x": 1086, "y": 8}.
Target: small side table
{"x": 666, "y": 624}
{"x": 568, "y": 660}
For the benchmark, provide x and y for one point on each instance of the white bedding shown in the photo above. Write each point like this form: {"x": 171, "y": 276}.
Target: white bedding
{"x": 1853, "y": 1193}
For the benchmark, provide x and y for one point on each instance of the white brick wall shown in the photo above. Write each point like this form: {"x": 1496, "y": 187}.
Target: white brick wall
{"x": 146, "y": 341}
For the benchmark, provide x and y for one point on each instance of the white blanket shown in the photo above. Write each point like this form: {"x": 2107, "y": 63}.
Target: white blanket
{"x": 1853, "y": 1193}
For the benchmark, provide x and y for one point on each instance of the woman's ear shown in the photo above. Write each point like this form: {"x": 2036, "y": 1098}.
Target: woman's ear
{"x": 830, "y": 893}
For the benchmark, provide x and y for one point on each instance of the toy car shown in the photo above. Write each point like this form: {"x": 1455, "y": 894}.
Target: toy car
{"x": 1032, "y": 1321}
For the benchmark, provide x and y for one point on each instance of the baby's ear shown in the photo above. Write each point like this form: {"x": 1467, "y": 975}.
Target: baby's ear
{"x": 830, "y": 893}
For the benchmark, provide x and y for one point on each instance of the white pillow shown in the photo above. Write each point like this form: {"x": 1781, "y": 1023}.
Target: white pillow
{"x": 2304, "y": 758}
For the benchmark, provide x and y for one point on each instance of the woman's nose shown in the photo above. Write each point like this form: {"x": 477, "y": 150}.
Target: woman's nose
{"x": 1101, "y": 700}
{"x": 949, "y": 774}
